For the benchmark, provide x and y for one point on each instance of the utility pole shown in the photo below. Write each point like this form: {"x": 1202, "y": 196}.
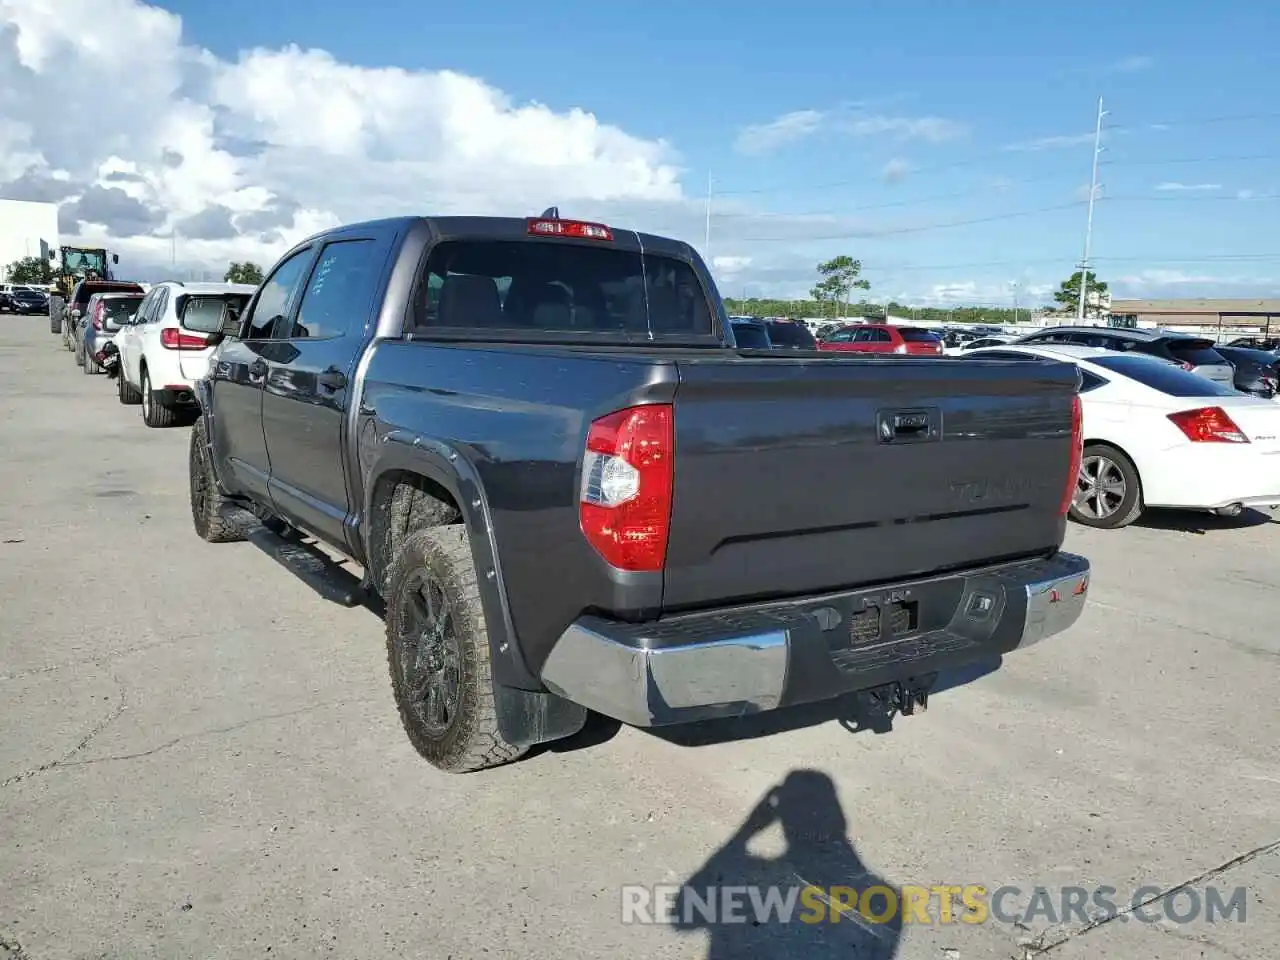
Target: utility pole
{"x": 1015, "y": 302}
{"x": 1088, "y": 230}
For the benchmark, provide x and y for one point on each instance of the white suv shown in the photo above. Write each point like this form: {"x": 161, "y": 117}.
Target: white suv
{"x": 163, "y": 349}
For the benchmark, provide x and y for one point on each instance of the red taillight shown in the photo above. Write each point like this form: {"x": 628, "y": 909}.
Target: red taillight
{"x": 625, "y": 502}
{"x": 1187, "y": 366}
{"x": 901, "y": 348}
{"x": 1208, "y": 425}
{"x": 570, "y": 228}
{"x": 99, "y": 310}
{"x": 171, "y": 338}
{"x": 1077, "y": 452}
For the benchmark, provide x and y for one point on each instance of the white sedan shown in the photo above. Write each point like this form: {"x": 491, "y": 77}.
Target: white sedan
{"x": 1157, "y": 436}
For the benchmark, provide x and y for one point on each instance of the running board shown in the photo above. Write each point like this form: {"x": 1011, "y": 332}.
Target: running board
{"x": 308, "y": 563}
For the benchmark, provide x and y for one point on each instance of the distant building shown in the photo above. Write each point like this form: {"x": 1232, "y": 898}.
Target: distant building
{"x": 23, "y": 224}
{"x": 1262, "y": 316}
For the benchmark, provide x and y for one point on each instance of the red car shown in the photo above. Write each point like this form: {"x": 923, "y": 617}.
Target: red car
{"x": 883, "y": 338}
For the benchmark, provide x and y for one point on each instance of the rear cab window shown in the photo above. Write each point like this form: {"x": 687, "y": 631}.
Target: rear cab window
{"x": 560, "y": 289}
{"x": 1164, "y": 377}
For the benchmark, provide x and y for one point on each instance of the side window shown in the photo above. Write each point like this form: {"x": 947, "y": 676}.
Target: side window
{"x": 842, "y": 336}
{"x": 140, "y": 315}
{"x": 276, "y": 296}
{"x": 1090, "y": 381}
{"x": 158, "y": 308}
{"x": 879, "y": 336}
{"x": 338, "y": 293}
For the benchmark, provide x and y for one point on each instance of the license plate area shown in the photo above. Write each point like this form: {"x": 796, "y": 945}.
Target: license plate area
{"x": 876, "y": 622}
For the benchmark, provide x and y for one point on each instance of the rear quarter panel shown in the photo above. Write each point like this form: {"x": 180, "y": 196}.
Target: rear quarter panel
{"x": 517, "y": 417}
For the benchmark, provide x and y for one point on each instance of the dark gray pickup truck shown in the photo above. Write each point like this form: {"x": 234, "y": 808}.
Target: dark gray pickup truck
{"x": 571, "y": 491}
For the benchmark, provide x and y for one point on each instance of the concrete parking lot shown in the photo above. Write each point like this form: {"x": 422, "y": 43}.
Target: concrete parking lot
{"x": 199, "y": 757}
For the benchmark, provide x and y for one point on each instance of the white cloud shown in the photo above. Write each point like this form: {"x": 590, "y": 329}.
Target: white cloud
{"x": 788, "y": 128}
{"x": 245, "y": 156}
{"x": 895, "y": 171}
{"x": 1051, "y": 143}
{"x": 730, "y": 265}
{"x": 1157, "y": 283}
{"x": 1174, "y": 186}
{"x": 933, "y": 129}
{"x": 802, "y": 124}
{"x": 1133, "y": 64}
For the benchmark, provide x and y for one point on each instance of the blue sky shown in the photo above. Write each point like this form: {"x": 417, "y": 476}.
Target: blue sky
{"x": 883, "y": 130}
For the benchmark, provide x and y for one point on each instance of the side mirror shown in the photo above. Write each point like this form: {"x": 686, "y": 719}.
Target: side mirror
{"x": 115, "y": 258}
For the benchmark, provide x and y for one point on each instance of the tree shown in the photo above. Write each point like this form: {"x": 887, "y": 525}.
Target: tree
{"x": 1067, "y": 296}
{"x": 243, "y": 273}
{"x": 30, "y": 270}
{"x": 840, "y": 277}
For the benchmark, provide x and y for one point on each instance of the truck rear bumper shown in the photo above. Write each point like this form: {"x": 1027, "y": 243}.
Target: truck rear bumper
{"x": 726, "y": 663}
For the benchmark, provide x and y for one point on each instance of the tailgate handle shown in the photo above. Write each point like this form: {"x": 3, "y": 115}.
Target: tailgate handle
{"x": 908, "y": 426}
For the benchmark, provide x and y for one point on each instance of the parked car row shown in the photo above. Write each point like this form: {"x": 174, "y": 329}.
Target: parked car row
{"x": 1159, "y": 434}
{"x": 22, "y": 298}
{"x": 157, "y": 340}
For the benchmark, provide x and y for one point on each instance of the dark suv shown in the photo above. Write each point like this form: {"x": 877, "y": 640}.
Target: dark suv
{"x": 1196, "y": 354}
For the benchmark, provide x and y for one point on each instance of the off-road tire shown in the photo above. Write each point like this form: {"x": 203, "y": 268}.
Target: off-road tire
{"x": 1131, "y": 506}
{"x": 472, "y": 740}
{"x": 211, "y": 512}
{"x": 154, "y": 413}
{"x": 412, "y": 508}
{"x": 125, "y": 391}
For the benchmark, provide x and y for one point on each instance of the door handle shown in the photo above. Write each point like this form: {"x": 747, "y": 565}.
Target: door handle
{"x": 258, "y": 368}
{"x": 332, "y": 379}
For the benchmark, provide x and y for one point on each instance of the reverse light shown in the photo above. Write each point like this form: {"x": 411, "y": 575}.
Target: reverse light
{"x": 900, "y": 348}
{"x": 1208, "y": 425}
{"x": 1077, "y": 453}
{"x": 171, "y": 338}
{"x": 624, "y": 505}
{"x": 578, "y": 229}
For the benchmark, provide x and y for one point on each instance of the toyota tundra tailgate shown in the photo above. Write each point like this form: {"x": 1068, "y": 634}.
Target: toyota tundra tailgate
{"x": 795, "y": 476}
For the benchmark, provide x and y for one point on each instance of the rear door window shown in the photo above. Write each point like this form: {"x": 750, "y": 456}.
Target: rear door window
{"x": 556, "y": 287}
{"x": 1158, "y": 375}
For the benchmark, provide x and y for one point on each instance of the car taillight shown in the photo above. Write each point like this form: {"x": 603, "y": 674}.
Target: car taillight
{"x": 171, "y": 338}
{"x": 900, "y": 348}
{"x": 1208, "y": 425}
{"x": 624, "y": 506}
{"x": 1077, "y": 452}
{"x": 99, "y": 309}
{"x": 1186, "y": 366}
{"x": 570, "y": 228}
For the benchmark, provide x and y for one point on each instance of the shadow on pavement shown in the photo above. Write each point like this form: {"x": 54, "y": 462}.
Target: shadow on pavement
{"x": 1190, "y": 521}
{"x": 818, "y": 857}
{"x": 854, "y": 712}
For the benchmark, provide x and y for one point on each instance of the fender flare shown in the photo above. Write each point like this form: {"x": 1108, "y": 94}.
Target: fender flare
{"x": 450, "y": 467}
{"x": 201, "y": 390}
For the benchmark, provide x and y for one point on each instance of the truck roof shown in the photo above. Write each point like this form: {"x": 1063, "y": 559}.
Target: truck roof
{"x": 502, "y": 228}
